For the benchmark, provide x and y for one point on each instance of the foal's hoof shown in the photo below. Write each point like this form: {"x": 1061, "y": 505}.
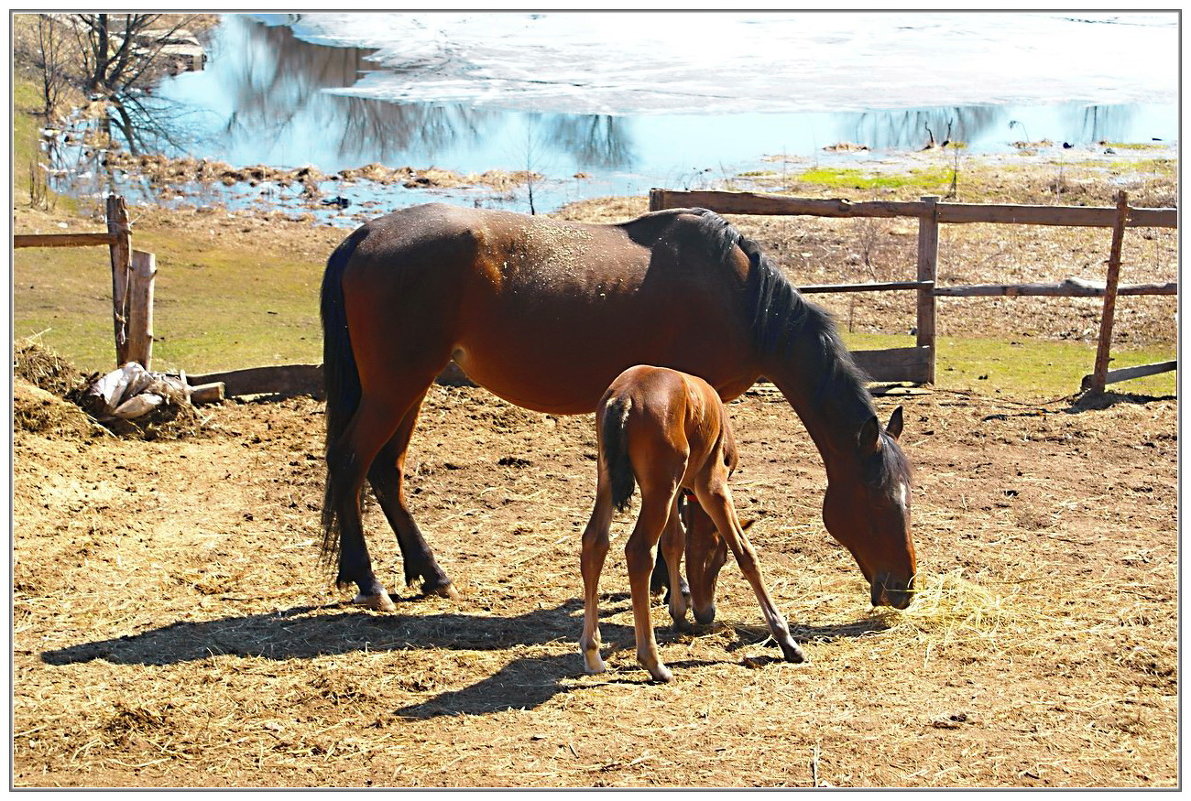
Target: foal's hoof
{"x": 792, "y": 653}
{"x": 593, "y": 663}
{"x": 379, "y": 602}
{"x": 662, "y": 674}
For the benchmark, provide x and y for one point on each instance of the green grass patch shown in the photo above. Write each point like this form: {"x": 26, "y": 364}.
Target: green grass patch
{"x": 852, "y": 178}
{"x": 1135, "y": 145}
{"x": 214, "y": 308}
{"x": 1157, "y": 166}
{"x": 1026, "y": 368}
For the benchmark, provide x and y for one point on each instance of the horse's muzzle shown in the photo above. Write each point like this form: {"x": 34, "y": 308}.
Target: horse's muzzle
{"x": 888, "y": 591}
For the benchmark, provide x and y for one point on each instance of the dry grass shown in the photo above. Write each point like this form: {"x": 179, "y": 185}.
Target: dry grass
{"x": 171, "y": 627}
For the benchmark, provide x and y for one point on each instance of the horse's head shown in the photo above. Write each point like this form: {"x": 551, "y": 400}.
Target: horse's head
{"x": 867, "y": 509}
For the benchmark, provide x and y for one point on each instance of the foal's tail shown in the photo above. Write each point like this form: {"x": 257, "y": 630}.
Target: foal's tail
{"x": 615, "y": 451}
{"x": 341, "y": 380}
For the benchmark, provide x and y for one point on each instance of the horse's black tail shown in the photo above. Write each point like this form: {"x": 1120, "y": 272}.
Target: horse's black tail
{"x": 615, "y": 452}
{"x": 341, "y": 380}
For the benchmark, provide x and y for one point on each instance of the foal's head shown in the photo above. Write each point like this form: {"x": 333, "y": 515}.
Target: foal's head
{"x": 706, "y": 553}
{"x": 867, "y": 509}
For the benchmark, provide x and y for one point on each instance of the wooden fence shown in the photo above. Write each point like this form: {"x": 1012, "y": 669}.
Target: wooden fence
{"x": 133, "y": 273}
{"x": 917, "y": 364}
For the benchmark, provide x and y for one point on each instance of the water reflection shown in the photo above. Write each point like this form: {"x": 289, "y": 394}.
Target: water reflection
{"x": 291, "y": 102}
{"x": 271, "y": 98}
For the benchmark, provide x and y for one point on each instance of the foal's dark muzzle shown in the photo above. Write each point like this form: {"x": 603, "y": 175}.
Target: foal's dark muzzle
{"x": 888, "y": 591}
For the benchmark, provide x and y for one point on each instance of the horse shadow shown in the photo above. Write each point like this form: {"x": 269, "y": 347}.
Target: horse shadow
{"x": 307, "y": 632}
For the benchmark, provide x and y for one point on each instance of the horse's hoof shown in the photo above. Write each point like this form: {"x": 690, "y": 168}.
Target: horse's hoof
{"x": 379, "y": 602}
{"x": 444, "y": 590}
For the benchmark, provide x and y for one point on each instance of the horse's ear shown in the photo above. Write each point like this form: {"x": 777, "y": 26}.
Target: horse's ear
{"x": 745, "y": 525}
{"x": 869, "y": 438}
{"x": 894, "y": 429}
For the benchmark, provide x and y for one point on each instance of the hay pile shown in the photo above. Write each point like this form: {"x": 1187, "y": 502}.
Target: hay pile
{"x": 48, "y": 394}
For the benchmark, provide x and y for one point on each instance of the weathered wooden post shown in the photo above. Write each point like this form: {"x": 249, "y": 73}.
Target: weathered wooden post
{"x": 1100, "y": 373}
{"x": 140, "y": 308}
{"x": 120, "y": 231}
{"x": 928, "y": 260}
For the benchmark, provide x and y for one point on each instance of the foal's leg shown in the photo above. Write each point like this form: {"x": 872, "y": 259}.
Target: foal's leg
{"x": 716, "y": 500}
{"x": 591, "y": 563}
{"x": 656, "y": 503}
{"x": 659, "y": 580}
{"x": 388, "y": 482}
{"x": 348, "y": 459}
{"x": 673, "y": 544}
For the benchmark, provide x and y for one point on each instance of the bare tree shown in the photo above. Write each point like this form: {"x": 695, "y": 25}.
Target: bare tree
{"x": 52, "y": 63}
{"x": 120, "y": 51}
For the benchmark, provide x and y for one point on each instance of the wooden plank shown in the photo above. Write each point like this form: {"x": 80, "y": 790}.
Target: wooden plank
{"x": 276, "y": 379}
{"x": 870, "y": 287}
{"x": 120, "y": 231}
{"x": 914, "y": 365}
{"x": 140, "y": 308}
{"x": 295, "y": 379}
{"x": 1128, "y": 373}
{"x": 1140, "y": 371}
{"x": 761, "y": 203}
{"x": 1090, "y": 216}
{"x": 1067, "y": 289}
{"x": 61, "y": 240}
{"x": 208, "y": 393}
{"x": 928, "y": 260}
{"x": 1100, "y": 373}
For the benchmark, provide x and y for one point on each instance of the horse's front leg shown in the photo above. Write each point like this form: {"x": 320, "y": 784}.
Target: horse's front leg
{"x": 388, "y": 482}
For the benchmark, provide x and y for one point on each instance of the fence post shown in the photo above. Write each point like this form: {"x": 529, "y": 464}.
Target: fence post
{"x": 121, "y": 251}
{"x": 1100, "y": 373}
{"x": 928, "y": 259}
{"x": 140, "y": 308}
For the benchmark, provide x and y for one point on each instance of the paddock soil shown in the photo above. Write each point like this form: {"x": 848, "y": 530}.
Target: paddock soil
{"x": 172, "y": 626}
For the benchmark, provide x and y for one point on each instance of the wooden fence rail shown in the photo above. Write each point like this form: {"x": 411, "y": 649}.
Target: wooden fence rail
{"x": 917, "y": 364}
{"x": 762, "y": 203}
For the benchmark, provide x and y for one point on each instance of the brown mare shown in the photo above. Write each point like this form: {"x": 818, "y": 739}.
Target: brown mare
{"x": 667, "y": 431}
{"x": 545, "y": 313}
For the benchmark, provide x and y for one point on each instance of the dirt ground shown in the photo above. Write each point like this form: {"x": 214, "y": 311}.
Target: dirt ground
{"x": 172, "y": 626}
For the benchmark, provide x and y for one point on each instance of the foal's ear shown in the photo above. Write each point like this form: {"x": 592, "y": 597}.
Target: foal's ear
{"x": 894, "y": 429}
{"x": 869, "y": 438}
{"x": 745, "y": 525}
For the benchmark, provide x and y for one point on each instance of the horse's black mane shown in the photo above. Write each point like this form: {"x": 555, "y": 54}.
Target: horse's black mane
{"x": 787, "y": 327}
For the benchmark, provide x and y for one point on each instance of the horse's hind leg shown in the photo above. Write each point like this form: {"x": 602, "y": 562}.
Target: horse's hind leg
{"x": 639, "y": 553}
{"x": 716, "y": 500}
{"x": 388, "y": 482}
{"x": 348, "y": 459}
{"x": 591, "y": 563}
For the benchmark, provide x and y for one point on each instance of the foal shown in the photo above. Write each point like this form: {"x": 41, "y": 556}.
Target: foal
{"x": 666, "y": 431}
